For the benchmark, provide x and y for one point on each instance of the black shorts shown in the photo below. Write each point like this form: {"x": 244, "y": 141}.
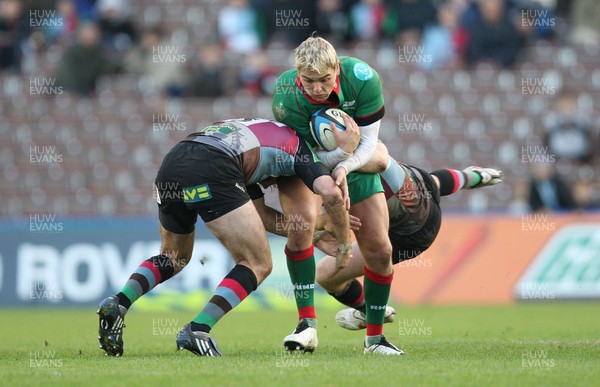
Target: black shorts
{"x": 409, "y": 246}
{"x": 197, "y": 179}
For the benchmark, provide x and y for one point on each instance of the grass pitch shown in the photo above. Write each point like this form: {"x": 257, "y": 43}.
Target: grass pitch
{"x": 528, "y": 344}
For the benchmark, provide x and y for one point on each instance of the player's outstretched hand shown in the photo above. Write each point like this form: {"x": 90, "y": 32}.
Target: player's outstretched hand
{"x": 347, "y": 139}
{"x": 489, "y": 176}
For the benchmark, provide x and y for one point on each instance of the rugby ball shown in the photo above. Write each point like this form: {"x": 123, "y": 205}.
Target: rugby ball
{"x": 320, "y": 129}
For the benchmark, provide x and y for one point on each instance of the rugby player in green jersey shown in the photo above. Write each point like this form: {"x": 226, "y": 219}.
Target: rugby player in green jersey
{"x": 318, "y": 80}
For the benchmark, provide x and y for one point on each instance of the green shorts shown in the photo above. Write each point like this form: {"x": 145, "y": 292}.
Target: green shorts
{"x": 363, "y": 185}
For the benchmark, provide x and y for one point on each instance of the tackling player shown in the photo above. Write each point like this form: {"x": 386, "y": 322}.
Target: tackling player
{"x": 413, "y": 200}
{"x": 321, "y": 79}
{"x": 213, "y": 174}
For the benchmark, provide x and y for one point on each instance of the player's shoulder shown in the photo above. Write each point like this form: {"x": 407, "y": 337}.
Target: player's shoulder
{"x": 287, "y": 78}
{"x": 285, "y": 87}
{"x": 356, "y": 70}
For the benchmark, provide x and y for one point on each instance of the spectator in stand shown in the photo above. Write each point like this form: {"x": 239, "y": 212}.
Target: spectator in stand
{"x": 367, "y": 20}
{"x": 583, "y": 21}
{"x": 257, "y": 77}
{"x": 67, "y": 18}
{"x": 158, "y": 62}
{"x": 13, "y": 30}
{"x": 535, "y": 19}
{"x": 408, "y": 18}
{"x": 84, "y": 62}
{"x": 240, "y": 27}
{"x": 86, "y": 9}
{"x": 287, "y": 22}
{"x": 492, "y": 37}
{"x": 331, "y": 21}
{"x": 118, "y": 31}
{"x": 548, "y": 191}
{"x": 445, "y": 42}
{"x": 587, "y": 198}
{"x": 569, "y": 135}
{"x": 207, "y": 77}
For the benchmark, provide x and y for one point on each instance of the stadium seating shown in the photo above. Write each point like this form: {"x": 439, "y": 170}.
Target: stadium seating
{"x": 111, "y": 150}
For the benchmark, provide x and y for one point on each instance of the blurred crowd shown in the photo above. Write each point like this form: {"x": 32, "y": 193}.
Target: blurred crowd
{"x": 103, "y": 36}
{"x": 92, "y": 38}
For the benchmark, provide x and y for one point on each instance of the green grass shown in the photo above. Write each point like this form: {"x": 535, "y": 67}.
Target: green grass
{"x": 521, "y": 345}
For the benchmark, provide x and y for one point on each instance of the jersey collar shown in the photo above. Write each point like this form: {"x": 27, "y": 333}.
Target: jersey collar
{"x": 336, "y": 90}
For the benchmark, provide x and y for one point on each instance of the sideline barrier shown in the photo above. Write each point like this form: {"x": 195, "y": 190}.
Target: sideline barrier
{"x": 45, "y": 260}
{"x": 483, "y": 260}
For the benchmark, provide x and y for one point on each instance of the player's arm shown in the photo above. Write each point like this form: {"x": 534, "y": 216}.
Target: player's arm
{"x": 370, "y": 110}
{"x": 366, "y": 147}
{"x": 347, "y": 141}
{"x": 333, "y": 192}
{"x": 324, "y": 222}
{"x": 365, "y": 142}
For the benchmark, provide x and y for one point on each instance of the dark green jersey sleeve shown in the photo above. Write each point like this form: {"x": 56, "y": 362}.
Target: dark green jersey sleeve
{"x": 290, "y": 107}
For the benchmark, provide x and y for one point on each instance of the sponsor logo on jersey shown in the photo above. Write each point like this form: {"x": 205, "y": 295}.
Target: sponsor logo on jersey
{"x": 240, "y": 187}
{"x": 363, "y": 72}
{"x": 348, "y": 104}
{"x": 280, "y": 112}
{"x": 196, "y": 194}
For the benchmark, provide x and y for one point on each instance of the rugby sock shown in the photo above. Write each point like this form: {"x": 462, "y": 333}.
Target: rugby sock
{"x": 302, "y": 269}
{"x": 393, "y": 175}
{"x": 352, "y": 296}
{"x": 451, "y": 180}
{"x": 150, "y": 273}
{"x": 234, "y": 288}
{"x": 377, "y": 292}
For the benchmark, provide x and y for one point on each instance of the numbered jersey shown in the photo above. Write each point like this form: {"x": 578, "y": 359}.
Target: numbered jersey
{"x": 263, "y": 148}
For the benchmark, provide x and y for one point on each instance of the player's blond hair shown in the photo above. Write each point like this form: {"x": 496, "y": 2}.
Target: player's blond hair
{"x": 315, "y": 54}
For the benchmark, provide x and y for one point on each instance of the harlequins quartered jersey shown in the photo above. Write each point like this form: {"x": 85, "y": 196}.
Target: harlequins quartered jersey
{"x": 358, "y": 92}
{"x": 409, "y": 207}
{"x": 264, "y": 148}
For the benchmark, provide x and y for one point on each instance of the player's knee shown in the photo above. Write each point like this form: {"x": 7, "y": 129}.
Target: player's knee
{"x": 261, "y": 268}
{"x": 178, "y": 257}
{"x": 379, "y": 164}
{"x": 378, "y": 255}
